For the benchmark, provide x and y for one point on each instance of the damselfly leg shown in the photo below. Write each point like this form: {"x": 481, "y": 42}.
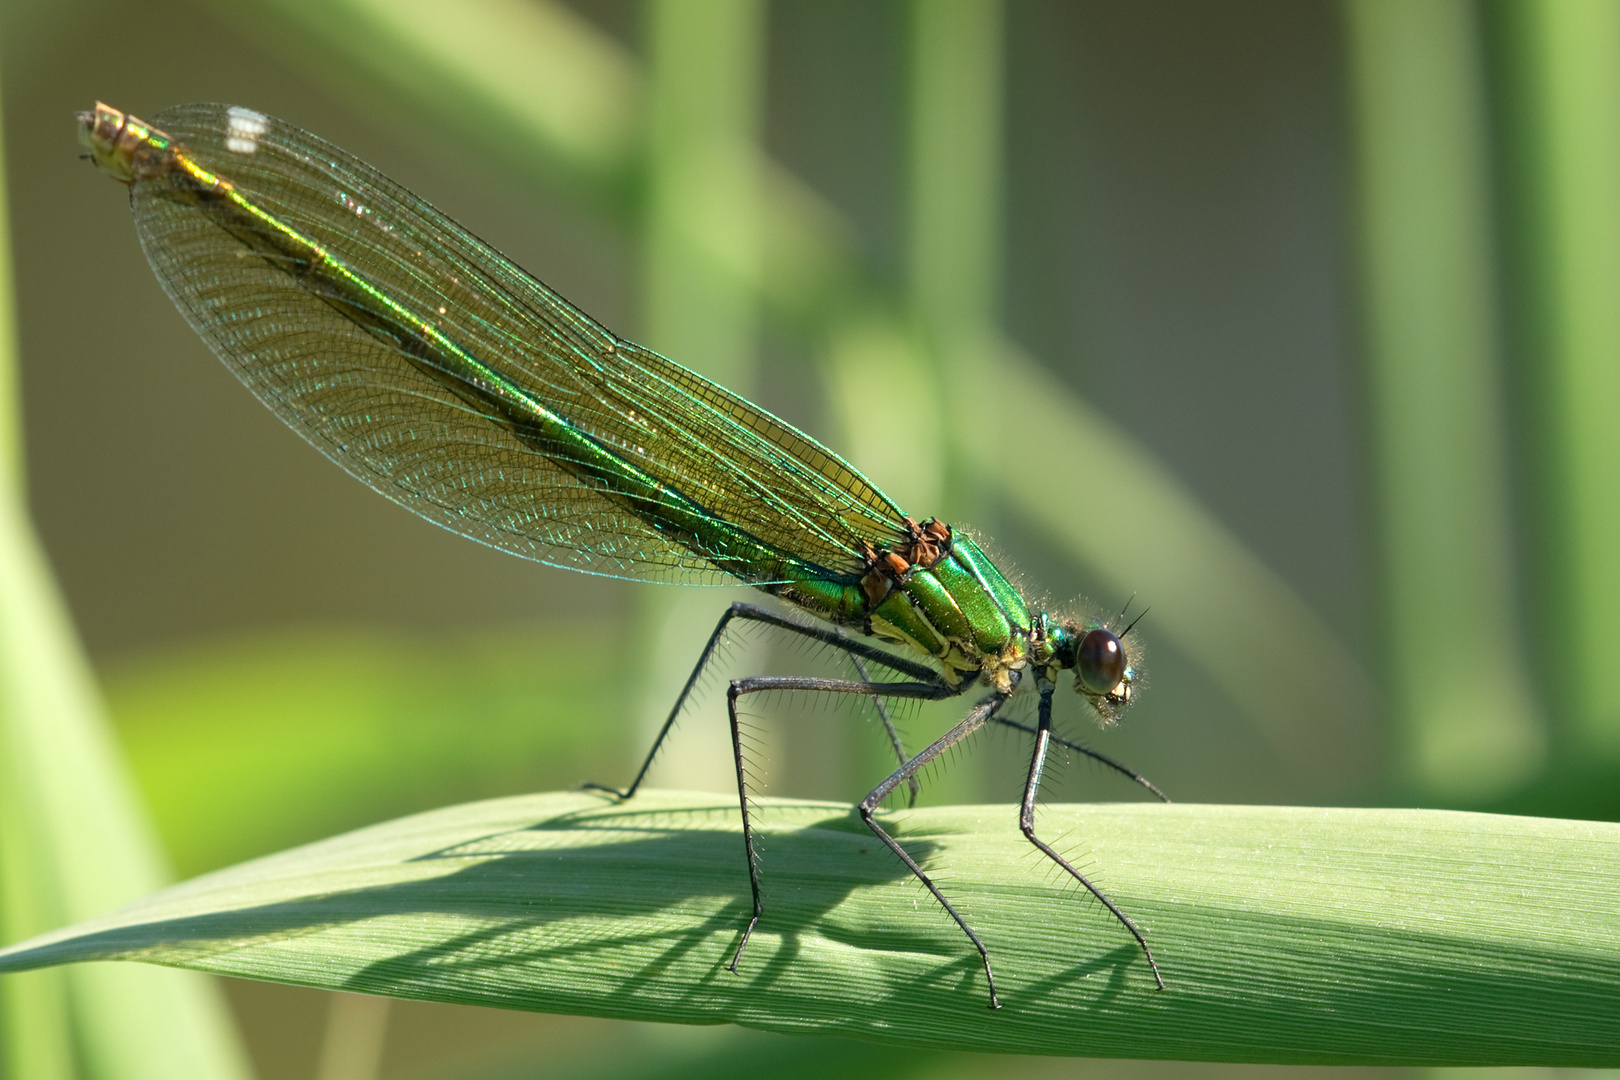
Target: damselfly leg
{"x": 739, "y": 688}
{"x": 858, "y": 651}
{"x": 975, "y": 719}
{"x": 1026, "y": 820}
{"x": 922, "y": 683}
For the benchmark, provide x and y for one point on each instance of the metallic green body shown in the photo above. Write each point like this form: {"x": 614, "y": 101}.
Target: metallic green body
{"x": 962, "y": 611}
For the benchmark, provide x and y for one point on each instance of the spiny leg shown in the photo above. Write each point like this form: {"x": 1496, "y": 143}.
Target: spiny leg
{"x": 913, "y": 785}
{"x": 1117, "y": 766}
{"x": 927, "y": 691}
{"x": 753, "y": 613}
{"x": 976, "y": 718}
{"x": 1026, "y": 821}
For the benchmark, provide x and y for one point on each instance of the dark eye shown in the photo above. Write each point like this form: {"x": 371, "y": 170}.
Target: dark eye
{"x": 1100, "y": 663}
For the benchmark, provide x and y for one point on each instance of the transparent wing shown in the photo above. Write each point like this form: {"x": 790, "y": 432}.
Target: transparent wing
{"x": 348, "y": 374}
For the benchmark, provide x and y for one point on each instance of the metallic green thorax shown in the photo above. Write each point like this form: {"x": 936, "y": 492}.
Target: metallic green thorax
{"x": 961, "y": 611}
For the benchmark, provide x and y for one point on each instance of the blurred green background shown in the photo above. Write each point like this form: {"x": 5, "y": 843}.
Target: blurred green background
{"x": 1298, "y": 320}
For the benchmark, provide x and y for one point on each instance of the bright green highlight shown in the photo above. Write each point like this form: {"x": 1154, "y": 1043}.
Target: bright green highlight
{"x": 248, "y": 746}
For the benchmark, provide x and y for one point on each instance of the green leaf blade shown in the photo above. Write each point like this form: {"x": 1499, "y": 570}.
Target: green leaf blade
{"x": 1284, "y": 934}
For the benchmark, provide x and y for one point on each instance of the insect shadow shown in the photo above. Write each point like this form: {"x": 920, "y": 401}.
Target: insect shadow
{"x": 661, "y": 870}
{"x": 537, "y": 895}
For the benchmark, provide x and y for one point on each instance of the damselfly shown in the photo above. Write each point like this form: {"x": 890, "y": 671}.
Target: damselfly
{"x": 446, "y": 378}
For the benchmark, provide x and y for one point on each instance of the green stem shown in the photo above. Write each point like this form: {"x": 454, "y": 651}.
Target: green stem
{"x": 1561, "y": 97}
{"x": 704, "y": 100}
{"x": 1453, "y": 653}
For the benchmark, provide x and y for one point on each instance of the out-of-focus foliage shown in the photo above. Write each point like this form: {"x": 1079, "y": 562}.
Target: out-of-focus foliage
{"x": 332, "y": 730}
{"x": 74, "y": 838}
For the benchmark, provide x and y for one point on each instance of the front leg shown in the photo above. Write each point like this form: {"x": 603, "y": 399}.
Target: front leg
{"x": 1104, "y": 759}
{"x": 1026, "y": 821}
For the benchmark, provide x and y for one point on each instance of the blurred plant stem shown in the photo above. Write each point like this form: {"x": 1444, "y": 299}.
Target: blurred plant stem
{"x": 35, "y": 1036}
{"x": 356, "y": 1035}
{"x": 702, "y": 244}
{"x": 1452, "y": 647}
{"x": 1311, "y": 699}
{"x": 954, "y": 253}
{"x": 74, "y": 839}
{"x": 1559, "y": 79}
{"x": 953, "y": 268}
{"x": 702, "y": 213}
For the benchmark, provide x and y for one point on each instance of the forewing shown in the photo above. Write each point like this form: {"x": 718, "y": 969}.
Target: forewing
{"x": 358, "y": 397}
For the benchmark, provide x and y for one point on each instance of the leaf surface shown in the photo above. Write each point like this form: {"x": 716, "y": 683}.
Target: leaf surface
{"x": 1285, "y": 934}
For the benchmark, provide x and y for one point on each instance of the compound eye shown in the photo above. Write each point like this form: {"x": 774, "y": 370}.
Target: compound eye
{"x": 1100, "y": 662}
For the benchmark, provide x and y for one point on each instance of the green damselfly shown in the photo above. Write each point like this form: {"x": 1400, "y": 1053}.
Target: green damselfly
{"x": 446, "y": 378}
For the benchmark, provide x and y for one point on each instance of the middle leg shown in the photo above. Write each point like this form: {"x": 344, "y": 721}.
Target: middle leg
{"x": 924, "y": 691}
{"x": 913, "y": 785}
{"x": 858, "y": 651}
{"x": 976, "y": 718}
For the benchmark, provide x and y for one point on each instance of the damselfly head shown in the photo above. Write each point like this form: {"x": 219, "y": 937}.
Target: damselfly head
{"x": 1105, "y": 668}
